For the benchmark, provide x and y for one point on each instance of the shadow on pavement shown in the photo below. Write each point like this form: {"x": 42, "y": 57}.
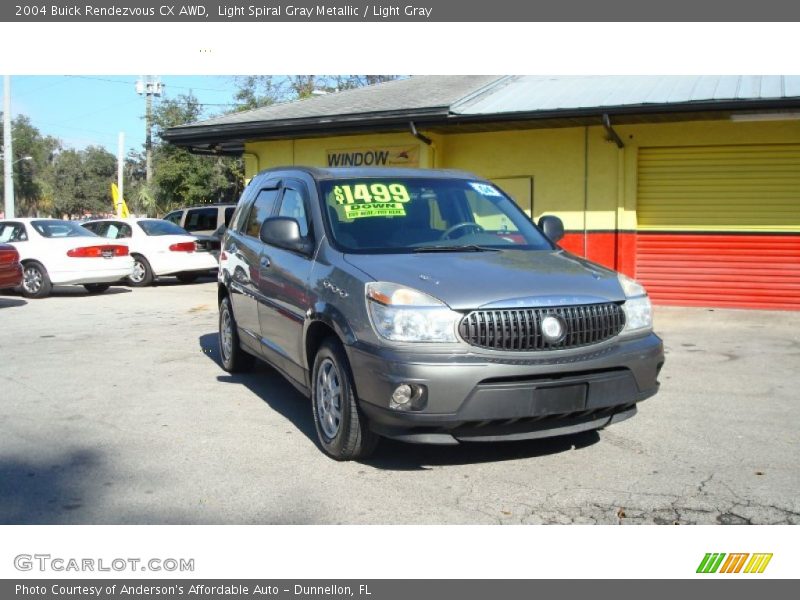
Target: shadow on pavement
{"x": 11, "y": 302}
{"x": 270, "y": 386}
{"x": 61, "y": 291}
{"x": 278, "y": 394}
{"x": 398, "y": 456}
{"x": 45, "y": 493}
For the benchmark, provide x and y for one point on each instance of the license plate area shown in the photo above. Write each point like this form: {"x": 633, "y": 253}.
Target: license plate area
{"x": 560, "y": 399}
{"x": 107, "y": 254}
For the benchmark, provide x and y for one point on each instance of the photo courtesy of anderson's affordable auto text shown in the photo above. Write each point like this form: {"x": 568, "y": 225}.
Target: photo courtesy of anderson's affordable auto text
{"x": 462, "y": 327}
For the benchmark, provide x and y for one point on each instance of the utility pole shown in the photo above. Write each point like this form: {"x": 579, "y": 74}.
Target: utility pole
{"x": 148, "y": 87}
{"x": 120, "y": 166}
{"x": 8, "y": 155}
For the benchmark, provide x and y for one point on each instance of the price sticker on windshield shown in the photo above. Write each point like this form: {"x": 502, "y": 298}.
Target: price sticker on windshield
{"x": 362, "y": 193}
{"x": 378, "y": 209}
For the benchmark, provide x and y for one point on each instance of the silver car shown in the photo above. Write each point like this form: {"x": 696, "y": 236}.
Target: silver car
{"x": 425, "y": 306}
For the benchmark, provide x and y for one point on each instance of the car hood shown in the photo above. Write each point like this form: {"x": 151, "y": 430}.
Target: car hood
{"x": 509, "y": 278}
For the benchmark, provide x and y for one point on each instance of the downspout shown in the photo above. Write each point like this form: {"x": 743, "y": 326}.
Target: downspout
{"x": 425, "y": 140}
{"x": 611, "y": 135}
{"x": 422, "y": 138}
{"x": 585, "y": 190}
{"x": 256, "y": 159}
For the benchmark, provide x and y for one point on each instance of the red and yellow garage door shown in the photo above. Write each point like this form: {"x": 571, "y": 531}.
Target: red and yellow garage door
{"x": 720, "y": 225}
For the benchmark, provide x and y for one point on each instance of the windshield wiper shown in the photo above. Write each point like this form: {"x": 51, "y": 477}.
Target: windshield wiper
{"x": 467, "y": 248}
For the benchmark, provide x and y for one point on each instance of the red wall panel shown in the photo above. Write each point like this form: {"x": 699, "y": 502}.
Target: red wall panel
{"x": 725, "y": 270}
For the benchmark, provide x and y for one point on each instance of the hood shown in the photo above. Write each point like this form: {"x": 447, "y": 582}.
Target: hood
{"x": 505, "y": 279}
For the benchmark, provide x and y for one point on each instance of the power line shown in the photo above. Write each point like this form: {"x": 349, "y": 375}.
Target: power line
{"x": 132, "y": 82}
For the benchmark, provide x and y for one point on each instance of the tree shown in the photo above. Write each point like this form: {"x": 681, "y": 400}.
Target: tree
{"x": 181, "y": 178}
{"x": 31, "y": 192}
{"x": 81, "y": 181}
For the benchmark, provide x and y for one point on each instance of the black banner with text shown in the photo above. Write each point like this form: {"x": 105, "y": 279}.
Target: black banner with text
{"x": 405, "y": 11}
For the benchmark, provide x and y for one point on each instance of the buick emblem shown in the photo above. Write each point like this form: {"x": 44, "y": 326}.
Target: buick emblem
{"x": 552, "y": 328}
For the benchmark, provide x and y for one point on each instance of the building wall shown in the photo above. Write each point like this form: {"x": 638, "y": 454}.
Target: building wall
{"x": 575, "y": 173}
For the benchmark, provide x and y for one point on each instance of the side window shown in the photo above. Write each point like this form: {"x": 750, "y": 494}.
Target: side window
{"x": 200, "y": 219}
{"x": 13, "y": 232}
{"x": 228, "y": 214}
{"x": 262, "y": 208}
{"x": 90, "y": 226}
{"x": 293, "y": 206}
{"x": 174, "y": 217}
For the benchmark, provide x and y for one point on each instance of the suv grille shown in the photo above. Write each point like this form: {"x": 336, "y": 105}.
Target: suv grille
{"x": 520, "y": 329}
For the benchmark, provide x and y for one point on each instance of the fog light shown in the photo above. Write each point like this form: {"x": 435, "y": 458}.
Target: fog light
{"x": 409, "y": 396}
{"x": 402, "y": 395}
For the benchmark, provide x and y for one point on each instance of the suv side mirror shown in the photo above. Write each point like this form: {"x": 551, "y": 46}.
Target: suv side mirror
{"x": 284, "y": 232}
{"x": 553, "y": 227}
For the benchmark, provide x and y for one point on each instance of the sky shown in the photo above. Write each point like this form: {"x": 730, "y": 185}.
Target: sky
{"x": 84, "y": 110}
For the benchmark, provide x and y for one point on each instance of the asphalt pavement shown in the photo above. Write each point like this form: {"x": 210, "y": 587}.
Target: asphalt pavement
{"x": 114, "y": 409}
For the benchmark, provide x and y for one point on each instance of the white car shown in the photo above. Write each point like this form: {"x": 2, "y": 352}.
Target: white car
{"x": 56, "y": 252}
{"x": 158, "y": 248}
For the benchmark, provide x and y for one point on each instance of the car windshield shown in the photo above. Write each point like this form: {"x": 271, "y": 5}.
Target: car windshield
{"x": 161, "y": 227}
{"x": 409, "y": 214}
{"x": 55, "y": 228}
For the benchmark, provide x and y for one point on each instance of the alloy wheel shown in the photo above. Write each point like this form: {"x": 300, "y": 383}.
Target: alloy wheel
{"x": 32, "y": 280}
{"x": 137, "y": 276}
{"x": 329, "y": 398}
{"x": 226, "y": 335}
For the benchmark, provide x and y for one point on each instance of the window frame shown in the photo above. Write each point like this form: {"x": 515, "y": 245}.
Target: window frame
{"x": 298, "y": 186}
{"x": 266, "y": 187}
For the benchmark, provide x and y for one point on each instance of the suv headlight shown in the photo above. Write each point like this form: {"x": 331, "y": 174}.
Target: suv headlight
{"x": 402, "y": 314}
{"x": 637, "y": 306}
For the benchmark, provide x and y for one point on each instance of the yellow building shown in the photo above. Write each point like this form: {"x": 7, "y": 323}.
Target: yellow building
{"x": 690, "y": 184}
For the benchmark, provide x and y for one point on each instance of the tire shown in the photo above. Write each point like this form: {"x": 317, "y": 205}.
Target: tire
{"x": 96, "y": 288}
{"x": 35, "y": 280}
{"x": 234, "y": 359}
{"x": 342, "y": 429}
{"x": 187, "y": 277}
{"x": 142, "y": 273}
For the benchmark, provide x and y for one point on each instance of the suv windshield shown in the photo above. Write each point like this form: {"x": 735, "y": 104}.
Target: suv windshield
{"x": 161, "y": 227}
{"x": 55, "y": 228}
{"x": 402, "y": 215}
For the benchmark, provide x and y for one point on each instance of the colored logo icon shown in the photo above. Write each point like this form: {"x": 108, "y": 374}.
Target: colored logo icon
{"x": 734, "y": 563}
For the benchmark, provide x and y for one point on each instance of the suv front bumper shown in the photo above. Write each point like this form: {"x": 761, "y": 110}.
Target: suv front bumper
{"x": 483, "y": 396}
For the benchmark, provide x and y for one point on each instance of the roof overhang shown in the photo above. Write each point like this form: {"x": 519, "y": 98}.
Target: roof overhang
{"x": 229, "y": 139}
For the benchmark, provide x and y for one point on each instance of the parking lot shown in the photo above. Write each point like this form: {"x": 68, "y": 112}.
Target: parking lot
{"x": 115, "y": 410}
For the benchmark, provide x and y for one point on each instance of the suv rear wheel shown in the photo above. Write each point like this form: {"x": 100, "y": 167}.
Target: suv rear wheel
{"x": 341, "y": 427}
{"x": 234, "y": 359}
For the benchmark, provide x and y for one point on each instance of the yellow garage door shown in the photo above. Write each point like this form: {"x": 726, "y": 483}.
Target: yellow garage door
{"x": 720, "y": 225}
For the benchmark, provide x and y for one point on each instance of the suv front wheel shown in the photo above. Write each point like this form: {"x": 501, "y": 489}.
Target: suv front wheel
{"x": 341, "y": 428}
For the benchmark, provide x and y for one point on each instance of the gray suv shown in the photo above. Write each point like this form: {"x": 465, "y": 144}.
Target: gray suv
{"x": 425, "y": 306}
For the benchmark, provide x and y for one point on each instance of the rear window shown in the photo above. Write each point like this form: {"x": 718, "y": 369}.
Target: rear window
{"x": 54, "y": 228}
{"x": 161, "y": 227}
{"x": 201, "y": 219}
